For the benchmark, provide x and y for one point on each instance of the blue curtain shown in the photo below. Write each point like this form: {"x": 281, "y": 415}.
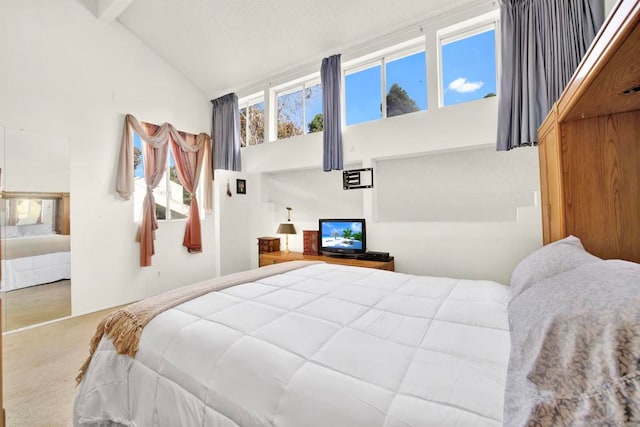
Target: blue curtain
{"x": 543, "y": 41}
{"x": 225, "y": 133}
{"x": 331, "y": 77}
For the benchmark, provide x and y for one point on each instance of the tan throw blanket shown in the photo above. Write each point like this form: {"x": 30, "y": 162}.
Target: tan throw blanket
{"x": 124, "y": 327}
{"x": 23, "y": 247}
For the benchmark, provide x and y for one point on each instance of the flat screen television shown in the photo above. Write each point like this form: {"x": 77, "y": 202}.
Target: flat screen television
{"x": 342, "y": 237}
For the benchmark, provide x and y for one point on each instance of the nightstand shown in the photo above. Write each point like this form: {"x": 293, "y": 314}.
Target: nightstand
{"x": 268, "y": 244}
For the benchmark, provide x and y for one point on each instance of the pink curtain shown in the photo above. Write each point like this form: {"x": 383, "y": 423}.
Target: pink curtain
{"x": 155, "y": 160}
{"x": 189, "y": 159}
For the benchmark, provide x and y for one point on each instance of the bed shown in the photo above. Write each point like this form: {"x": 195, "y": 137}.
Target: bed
{"x": 321, "y": 345}
{"x": 33, "y": 255}
{"x": 315, "y": 344}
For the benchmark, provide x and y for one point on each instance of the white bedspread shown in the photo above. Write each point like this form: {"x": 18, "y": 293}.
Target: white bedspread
{"x": 325, "y": 346}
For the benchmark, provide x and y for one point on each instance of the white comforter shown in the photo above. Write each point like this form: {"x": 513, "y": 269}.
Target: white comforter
{"x": 325, "y": 345}
{"x": 34, "y": 260}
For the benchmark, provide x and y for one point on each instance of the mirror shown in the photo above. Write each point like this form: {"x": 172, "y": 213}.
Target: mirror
{"x": 35, "y": 268}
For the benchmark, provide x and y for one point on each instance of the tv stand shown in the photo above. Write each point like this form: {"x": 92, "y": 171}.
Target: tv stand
{"x": 268, "y": 258}
{"x": 343, "y": 256}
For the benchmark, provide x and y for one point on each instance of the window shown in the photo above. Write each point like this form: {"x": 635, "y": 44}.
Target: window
{"x": 172, "y": 200}
{"x": 289, "y": 113}
{"x": 362, "y": 94}
{"x": 406, "y": 84}
{"x": 403, "y": 75}
{"x": 252, "y": 121}
{"x": 299, "y": 109}
{"x": 313, "y": 108}
{"x": 468, "y": 65}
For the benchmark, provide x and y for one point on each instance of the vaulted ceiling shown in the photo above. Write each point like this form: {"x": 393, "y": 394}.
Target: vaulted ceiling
{"x": 227, "y": 45}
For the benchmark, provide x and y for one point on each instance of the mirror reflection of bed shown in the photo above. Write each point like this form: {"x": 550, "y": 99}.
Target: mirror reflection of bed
{"x": 35, "y": 285}
{"x": 36, "y": 267}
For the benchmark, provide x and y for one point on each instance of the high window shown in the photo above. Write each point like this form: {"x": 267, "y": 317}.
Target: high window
{"x": 362, "y": 93}
{"x": 252, "y": 120}
{"x": 299, "y": 109}
{"x": 393, "y": 85}
{"x": 172, "y": 199}
{"x": 386, "y": 83}
{"x": 468, "y": 65}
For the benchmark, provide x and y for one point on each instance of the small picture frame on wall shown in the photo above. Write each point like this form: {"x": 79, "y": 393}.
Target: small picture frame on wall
{"x": 241, "y": 186}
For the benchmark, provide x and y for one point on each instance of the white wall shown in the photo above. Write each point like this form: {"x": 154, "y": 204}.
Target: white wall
{"x": 235, "y": 243}
{"x": 65, "y": 73}
{"x": 34, "y": 162}
{"x": 461, "y": 234}
{"x": 474, "y": 245}
{"x": 472, "y": 185}
{"x": 311, "y": 194}
{"x": 465, "y": 246}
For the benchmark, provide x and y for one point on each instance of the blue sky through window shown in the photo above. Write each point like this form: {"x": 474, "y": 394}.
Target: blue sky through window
{"x": 469, "y": 68}
{"x": 362, "y": 93}
{"x": 138, "y": 172}
{"x": 362, "y": 88}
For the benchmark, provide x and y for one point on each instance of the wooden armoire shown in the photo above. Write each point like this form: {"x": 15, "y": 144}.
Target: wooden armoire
{"x": 589, "y": 145}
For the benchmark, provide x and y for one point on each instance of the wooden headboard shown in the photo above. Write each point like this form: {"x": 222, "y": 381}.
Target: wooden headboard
{"x": 589, "y": 145}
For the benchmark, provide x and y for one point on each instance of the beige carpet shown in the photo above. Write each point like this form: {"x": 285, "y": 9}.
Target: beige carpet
{"x": 40, "y": 365}
{"x": 35, "y": 304}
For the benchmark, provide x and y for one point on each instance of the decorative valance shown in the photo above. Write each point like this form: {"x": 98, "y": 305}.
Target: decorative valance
{"x": 190, "y": 152}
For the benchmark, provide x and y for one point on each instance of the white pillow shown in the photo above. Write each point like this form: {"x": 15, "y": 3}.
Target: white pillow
{"x": 575, "y": 346}
{"x": 35, "y": 229}
{"x": 548, "y": 261}
{"x": 10, "y": 232}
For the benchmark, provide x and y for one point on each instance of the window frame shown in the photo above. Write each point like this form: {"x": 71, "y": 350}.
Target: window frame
{"x": 362, "y": 66}
{"x": 246, "y": 102}
{"x": 288, "y": 88}
{"x": 381, "y": 58}
{"x": 167, "y": 186}
{"x": 466, "y": 29}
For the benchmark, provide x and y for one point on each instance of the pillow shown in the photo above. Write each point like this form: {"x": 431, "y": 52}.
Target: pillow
{"x": 10, "y": 232}
{"x": 575, "y": 349}
{"x": 35, "y": 229}
{"x": 554, "y": 258}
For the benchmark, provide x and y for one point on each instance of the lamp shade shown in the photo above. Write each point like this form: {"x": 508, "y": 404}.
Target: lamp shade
{"x": 286, "y": 228}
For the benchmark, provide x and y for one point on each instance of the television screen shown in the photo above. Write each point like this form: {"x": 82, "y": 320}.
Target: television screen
{"x": 342, "y": 236}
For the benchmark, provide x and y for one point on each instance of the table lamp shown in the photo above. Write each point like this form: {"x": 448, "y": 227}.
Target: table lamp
{"x": 286, "y": 228}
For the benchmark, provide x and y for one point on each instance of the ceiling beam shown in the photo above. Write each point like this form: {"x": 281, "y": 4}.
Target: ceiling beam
{"x": 108, "y": 10}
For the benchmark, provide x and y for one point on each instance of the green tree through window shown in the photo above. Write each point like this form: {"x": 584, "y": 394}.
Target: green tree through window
{"x": 316, "y": 124}
{"x": 399, "y": 102}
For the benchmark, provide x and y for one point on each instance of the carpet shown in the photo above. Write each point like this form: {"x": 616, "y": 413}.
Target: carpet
{"x": 35, "y": 304}
{"x": 40, "y": 365}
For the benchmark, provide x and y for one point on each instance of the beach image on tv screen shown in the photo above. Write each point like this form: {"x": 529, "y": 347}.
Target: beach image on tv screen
{"x": 343, "y": 235}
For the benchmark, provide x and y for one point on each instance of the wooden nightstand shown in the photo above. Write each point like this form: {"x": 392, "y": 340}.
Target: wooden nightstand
{"x": 268, "y": 244}
{"x": 269, "y": 258}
